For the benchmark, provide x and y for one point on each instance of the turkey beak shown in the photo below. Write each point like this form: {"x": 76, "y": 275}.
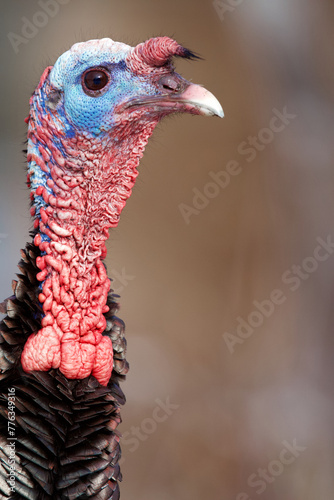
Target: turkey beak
{"x": 197, "y": 100}
{"x": 177, "y": 95}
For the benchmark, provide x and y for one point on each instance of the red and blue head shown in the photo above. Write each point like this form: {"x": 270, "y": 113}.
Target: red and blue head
{"x": 99, "y": 84}
{"x": 98, "y": 105}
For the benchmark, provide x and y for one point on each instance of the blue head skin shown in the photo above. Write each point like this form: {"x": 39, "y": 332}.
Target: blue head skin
{"x": 93, "y": 111}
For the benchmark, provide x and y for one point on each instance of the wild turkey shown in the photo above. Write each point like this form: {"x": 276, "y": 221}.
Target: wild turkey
{"x": 62, "y": 351}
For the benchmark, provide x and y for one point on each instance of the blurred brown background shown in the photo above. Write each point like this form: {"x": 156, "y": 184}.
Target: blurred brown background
{"x": 184, "y": 286}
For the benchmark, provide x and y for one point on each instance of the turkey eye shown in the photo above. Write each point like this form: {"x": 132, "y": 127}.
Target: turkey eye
{"x": 95, "y": 79}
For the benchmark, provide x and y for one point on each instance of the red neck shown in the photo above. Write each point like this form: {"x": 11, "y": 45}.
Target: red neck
{"x": 90, "y": 184}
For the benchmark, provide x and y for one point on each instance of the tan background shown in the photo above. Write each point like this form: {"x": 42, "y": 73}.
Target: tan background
{"x": 190, "y": 282}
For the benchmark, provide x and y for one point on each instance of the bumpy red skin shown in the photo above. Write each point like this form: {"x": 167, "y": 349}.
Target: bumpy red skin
{"x": 91, "y": 182}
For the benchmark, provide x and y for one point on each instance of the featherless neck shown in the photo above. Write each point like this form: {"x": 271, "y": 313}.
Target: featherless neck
{"x": 79, "y": 185}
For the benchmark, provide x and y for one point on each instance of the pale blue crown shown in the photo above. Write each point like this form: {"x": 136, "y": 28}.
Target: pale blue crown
{"x": 95, "y": 114}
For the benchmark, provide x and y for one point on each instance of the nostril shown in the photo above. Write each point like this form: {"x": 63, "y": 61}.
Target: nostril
{"x": 170, "y": 83}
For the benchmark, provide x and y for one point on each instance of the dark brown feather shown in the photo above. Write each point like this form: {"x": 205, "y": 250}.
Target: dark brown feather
{"x": 67, "y": 446}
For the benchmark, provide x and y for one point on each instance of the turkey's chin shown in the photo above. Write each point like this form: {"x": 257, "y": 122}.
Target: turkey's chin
{"x": 195, "y": 99}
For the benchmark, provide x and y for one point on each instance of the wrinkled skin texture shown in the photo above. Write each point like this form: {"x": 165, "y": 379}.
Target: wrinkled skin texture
{"x": 83, "y": 153}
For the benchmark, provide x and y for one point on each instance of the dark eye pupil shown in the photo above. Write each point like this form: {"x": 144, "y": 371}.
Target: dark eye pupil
{"x": 95, "y": 79}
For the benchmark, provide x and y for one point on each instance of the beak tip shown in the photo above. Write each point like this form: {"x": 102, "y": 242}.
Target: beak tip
{"x": 220, "y": 112}
{"x": 213, "y": 105}
{"x": 203, "y": 100}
